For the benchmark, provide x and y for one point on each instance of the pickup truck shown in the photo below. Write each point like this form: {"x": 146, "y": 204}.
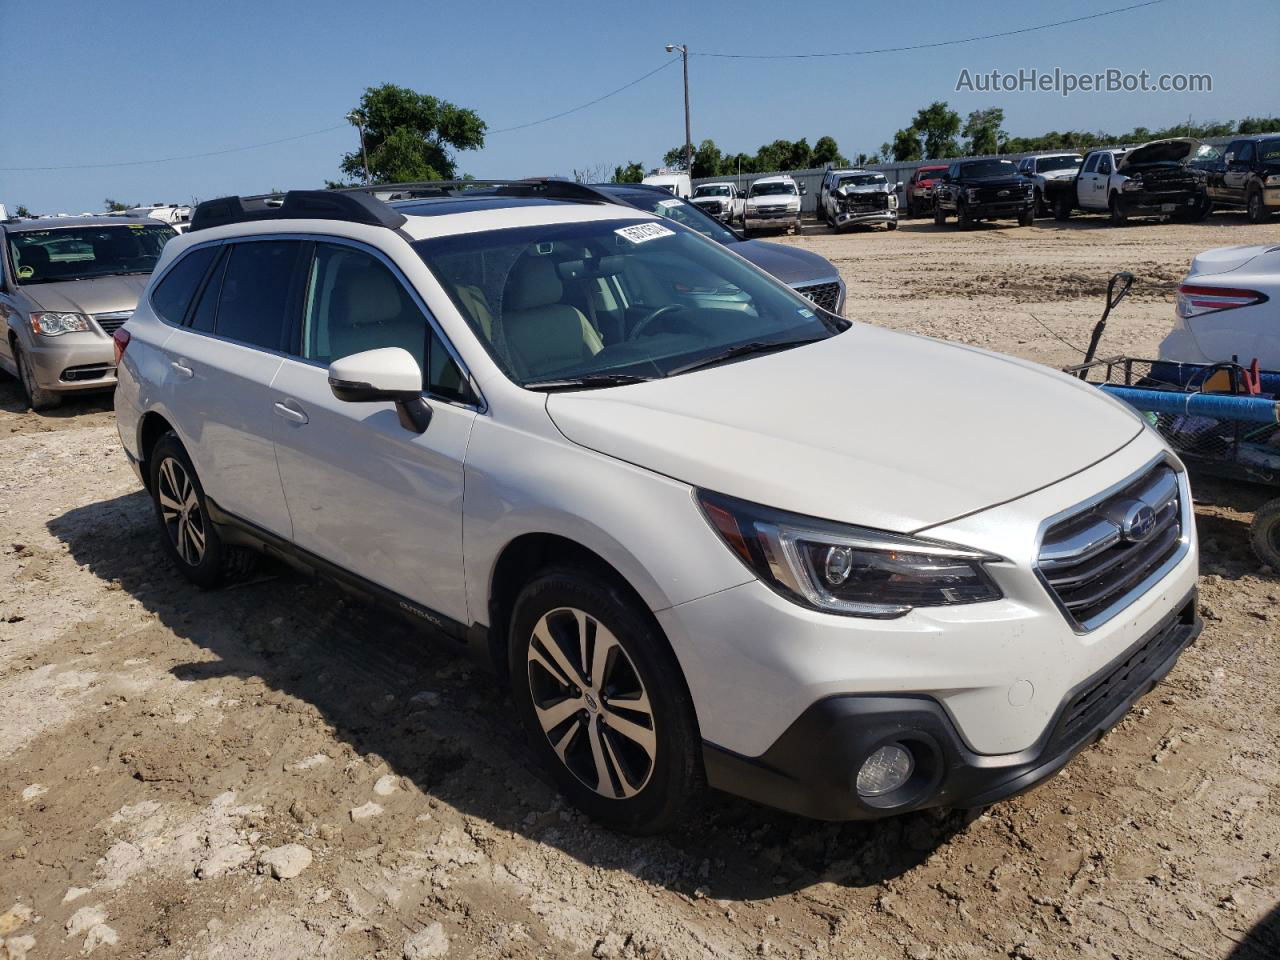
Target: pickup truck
{"x": 1247, "y": 176}
{"x": 1052, "y": 174}
{"x": 773, "y": 203}
{"x": 1155, "y": 179}
{"x": 849, "y": 198}
{"x": 724, "y": 201}
{"x": 974, "y": 190}
{"x": 920, "y": 188}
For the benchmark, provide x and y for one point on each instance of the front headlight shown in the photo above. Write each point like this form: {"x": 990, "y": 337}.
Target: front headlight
{"x": 1273, "y": 180}
{"x": 56, "y": 324}
{"x": 1131, "y": 186}
{"x": 848, "y": 570}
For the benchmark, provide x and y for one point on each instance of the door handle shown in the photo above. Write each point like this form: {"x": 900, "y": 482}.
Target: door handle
{"x": 180, "y": 367}
{"x": 284, "y": 409}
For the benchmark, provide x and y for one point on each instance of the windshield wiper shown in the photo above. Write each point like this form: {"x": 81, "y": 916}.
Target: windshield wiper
{"x": 589, "y": 381}
{"x": 742, "y": 350}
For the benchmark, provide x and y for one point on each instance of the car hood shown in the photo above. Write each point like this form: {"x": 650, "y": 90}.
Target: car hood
{"x": 99, "y": 295}
{"x": 1226, "y": 259}
{"x": 769, "y": 199}
{"x": 865, "y": 188}
{"x": 1178, "y": 150}
{"x": 791, "y": 265}
{"x": 716, "y": 199}
{"x": 869, "y": 427}
{"x": 1067, "y": 174}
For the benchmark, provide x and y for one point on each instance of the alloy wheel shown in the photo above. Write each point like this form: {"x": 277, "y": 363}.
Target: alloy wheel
{"x": 180, "y": 509}
{"x": 591, "y": 703}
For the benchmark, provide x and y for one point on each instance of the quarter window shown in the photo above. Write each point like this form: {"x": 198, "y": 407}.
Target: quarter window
{"x": 253, "y": 305}
{"x": 173, "y": 295}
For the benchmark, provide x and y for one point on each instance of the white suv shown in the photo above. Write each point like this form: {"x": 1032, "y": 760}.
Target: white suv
{"x": 708, "y": 534}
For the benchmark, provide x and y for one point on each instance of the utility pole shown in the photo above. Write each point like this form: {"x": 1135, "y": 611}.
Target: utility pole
{"x": 356, "y": 117}
{"x": 688, "y": 137}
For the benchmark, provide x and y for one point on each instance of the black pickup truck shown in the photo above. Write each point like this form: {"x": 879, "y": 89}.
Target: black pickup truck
{"x": 1247, "y": 176}
{"x": 974, "y": 190}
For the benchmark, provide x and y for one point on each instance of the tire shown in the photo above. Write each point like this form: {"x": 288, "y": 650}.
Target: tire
{"x": 1118, "y": 217}
{"x": 1027, "y": 217}
{"x": 939, "y": 218}
{"x": 642, "y": 781}
{"x": 191, "y": 540}
{"x": 1062, "y": 209}
{"x": 1038, "y": 209}
{"x": 1264, "y": 534}
{"x": 892, "y": 225}
{"x": 37, "y": 398}
{"x": 963, "y": 220}
{"x": 1255, "y": 208}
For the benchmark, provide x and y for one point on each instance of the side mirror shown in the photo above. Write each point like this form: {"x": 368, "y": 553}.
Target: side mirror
{"x": 387, "y": 374}
{"x": 803, "y": 189}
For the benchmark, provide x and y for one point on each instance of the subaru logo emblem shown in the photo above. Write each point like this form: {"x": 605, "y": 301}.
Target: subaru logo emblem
{"x": 1138, "y": 523}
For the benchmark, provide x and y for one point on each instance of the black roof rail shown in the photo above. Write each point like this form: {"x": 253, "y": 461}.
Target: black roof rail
{"x": 553, "y": 188}
{"x": 297, "y": 205}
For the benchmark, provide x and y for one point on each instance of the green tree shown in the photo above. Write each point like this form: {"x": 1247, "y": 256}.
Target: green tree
{"x": 825, "y": 151}
{"x": 1250, "y": 125}
{"x": 114, "y": 206}
{"x": 906, "y": 145}
{"x": 939, "y": 125}
{"x": 982, "y": 130}
{"x": 22, "y": 210}
{"x": 410, "y": 136}
{"x": 631, "y": 173}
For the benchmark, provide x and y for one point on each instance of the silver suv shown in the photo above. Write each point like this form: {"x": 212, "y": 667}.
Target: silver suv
{"x": 66, "y": 285}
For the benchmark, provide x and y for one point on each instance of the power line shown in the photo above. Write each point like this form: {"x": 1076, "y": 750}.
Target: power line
{"x": 589, "y": 103}
{"x": 188, "y": 156}
{"x": 926, "y": 46}
{"x": 316, "y": 133}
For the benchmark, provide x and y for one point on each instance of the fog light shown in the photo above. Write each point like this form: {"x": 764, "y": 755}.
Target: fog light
{"x": 885, "y": 770}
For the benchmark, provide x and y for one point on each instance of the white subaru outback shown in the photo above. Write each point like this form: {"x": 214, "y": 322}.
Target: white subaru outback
{"x": 708, "y": 534}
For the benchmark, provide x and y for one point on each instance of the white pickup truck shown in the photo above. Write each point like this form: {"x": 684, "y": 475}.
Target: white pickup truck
{"x": 724, "y": 201}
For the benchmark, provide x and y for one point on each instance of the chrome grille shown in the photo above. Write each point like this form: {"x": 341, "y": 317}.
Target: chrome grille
{"x": 1104, "y": 555}
{"x": 111, "y": 322}
{"x": 825, "y": 295}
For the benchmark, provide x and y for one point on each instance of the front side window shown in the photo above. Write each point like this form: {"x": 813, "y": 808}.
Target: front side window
{"x": 352, "y": 302}
{"x": 1245, "y": 153}
{"x": 616, "y": 298}
{"x": 1091, "y": 162}
{"x": 173, "y": 295}
{"x": 257, "y": 286}
{"x": 82, "y": 253}
{"x": 1104, "y": 163}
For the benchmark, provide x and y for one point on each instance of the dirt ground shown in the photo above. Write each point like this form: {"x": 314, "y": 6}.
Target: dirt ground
{"x": 162, "y": 747}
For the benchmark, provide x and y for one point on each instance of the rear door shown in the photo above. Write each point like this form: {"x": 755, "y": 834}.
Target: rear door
{"x": 220, "y": 367}
{"x": 364, "y": 493}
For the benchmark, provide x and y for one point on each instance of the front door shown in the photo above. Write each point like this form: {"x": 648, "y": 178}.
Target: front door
{"x": 364, "y": 493}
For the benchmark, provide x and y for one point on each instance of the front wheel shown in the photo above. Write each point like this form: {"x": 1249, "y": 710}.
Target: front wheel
{"x": 604, "y": 702}
{"x": 37, "y": 397}
{"x": 939, "y": 218}
{"x": 1062, "y": 209}
{"x": 892, "y": 225}
{"x": 1264, "y": 534}
{"x": 1027, "y": 217}
{"x": 1118, "y": 217}
{"x": 963, "y": 220}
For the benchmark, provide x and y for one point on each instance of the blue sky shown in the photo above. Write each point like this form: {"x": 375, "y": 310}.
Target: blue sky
{"x": 102, "y": 81}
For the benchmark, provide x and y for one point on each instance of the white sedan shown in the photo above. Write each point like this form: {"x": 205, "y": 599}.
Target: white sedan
{"x": 1228, "y": 307}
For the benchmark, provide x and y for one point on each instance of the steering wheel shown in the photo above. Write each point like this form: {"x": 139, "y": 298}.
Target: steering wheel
{"x": 647, "y": 321}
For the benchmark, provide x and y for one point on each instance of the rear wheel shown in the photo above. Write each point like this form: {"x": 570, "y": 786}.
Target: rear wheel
{"x": 37, "y": 398}
{"x": 604, "y": 702}
{"x": 190, "y": 538}
{"x": 1062, "y": 209}
{"x": 1264, "y": 534}
{"x": 1256, "y": 209}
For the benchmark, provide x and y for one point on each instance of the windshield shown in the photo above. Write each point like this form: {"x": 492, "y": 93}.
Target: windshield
{"x": 770, "y": 189}
{"x": 980, "y": 169}
{"x": 673, "y": 208}
{"x": 620, "y": 298}
{"x": 1046, "y": 164}
{"x": 718, "y": 190}
{"x": 81, "y": 253}
{"x": 863, "y": 180}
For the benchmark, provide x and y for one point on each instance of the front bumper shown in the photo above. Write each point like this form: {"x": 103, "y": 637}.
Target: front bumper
{"x": 73, "y": 361}
{"x": 1144, "y": 203}
{"x": 1002, "y": 209}
{"x": 766, "y": 221}
{"x": 719, "y": 211}
{"x": 852, "y": 218}
{"x": 812, "y": 768}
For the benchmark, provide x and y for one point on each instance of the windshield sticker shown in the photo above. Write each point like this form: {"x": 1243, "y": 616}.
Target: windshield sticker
{"x": 668, "y": 204}
{"x": 805, "y": 313}
{"x": 644, "y": 232}
{"x": 26, "y": 273}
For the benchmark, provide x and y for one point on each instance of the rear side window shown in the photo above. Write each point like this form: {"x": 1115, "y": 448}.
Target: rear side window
{"x": 173, "y": 295}
{"x": 257, "y": 287}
